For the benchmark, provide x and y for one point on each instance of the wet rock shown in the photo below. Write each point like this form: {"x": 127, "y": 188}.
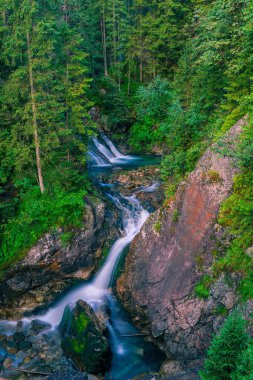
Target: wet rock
{"x": 8, "y": 362}
{"x": 19, "y": 325}
{"x": 25, "y": 345}
{"x": 2, "y": 357}
{"x": 13, "y": 345}
{"x": 184, "y": 375}
{"x": 19, "y": 337}
{"x": 38, "y": 326}
{"x": 171, "y": 253}
{"x": 171, "y": 368}
{"x": 67, "y": 375}
{"x": 146, "y": 376}
{"x": 137, "y": 181}
{"x": 84, "y": 339}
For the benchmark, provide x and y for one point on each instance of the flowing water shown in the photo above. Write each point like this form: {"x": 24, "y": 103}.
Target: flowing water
{"x": 106, "y": 154}
{"x": 131, "y": 354}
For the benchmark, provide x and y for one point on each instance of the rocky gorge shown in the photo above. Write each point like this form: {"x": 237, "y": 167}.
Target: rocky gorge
{"x": 55, "y": 269}
{"x": 172, "y": 249}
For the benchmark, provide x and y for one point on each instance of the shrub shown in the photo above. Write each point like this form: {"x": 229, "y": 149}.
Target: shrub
{"x": 226, "y": 350}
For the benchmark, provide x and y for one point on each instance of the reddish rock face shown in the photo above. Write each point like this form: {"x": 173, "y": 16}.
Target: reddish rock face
{"x": 162, "y": 268}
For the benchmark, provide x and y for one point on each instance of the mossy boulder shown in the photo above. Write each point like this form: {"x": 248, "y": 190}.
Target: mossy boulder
{"x": 84, "y": 339}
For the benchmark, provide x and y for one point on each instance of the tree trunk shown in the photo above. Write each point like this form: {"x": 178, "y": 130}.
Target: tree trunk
{"x": 34, "y": 114}
{"x": 141, "y": 69}
{"x": 114, "y": 33}
{"x": 104, "y": 40}
{"x": 129, "y": 79}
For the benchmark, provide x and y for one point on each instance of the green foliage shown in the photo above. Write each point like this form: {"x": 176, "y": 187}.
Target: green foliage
{"x": 225, "y": 353}
{"x": 38, "y": 214}
{"x": 151, "y": 107}
{"x": 44, "y": 81}
{"x": 158, "y": 226}
{"x": 175, "y": 216}
{"x": 202, "y": 289}
{"x": 236, "y": 214}
{"x": 66, "y": 238}
{"x": 221, "y": 310}
{"x": 115, "y": 112}
{"x": 244, "y": 370}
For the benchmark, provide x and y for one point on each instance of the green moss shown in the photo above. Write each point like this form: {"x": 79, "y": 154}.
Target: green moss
{"x": 214, "y": 253}
{"x": 202, "y": 289}
{"x": 77, "y": 346}
{"x": 66, "y": 238}
{"x": 213, "y": 176}
{"x": 199, "y": 262}
{"x": 221, "y": 310}
{"x": 158, "y": 226}
{"x": 175, "y": 216}
{"x": 81, "y": 323}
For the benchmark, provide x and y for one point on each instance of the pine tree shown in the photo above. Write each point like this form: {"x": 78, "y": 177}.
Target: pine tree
{"x": 226, "y": 349}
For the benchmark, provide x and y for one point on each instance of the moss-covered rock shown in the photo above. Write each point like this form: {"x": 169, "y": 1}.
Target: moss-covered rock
{"x": 84, "y": 339}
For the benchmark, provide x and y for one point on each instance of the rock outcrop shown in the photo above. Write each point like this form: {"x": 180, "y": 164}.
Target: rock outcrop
{"x": 51, "y": 264}
{"x": 167, "y": 259}
{"x": 84, "y": 339}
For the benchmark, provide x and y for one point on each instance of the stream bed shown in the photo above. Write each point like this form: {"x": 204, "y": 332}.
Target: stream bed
{"x": 132, "y": 353}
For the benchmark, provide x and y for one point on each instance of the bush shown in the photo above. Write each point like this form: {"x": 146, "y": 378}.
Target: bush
{"x": 226, "y": 350}
{"x": 244, "y": 370}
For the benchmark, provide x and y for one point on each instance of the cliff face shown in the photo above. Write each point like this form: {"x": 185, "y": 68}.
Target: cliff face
{"x": 163, "y": 265}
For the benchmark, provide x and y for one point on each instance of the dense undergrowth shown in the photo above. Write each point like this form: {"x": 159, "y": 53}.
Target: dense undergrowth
{"x": 31, "y": 214}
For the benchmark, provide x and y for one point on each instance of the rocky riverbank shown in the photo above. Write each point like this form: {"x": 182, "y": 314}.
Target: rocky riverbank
{"x": 53, "y": 263}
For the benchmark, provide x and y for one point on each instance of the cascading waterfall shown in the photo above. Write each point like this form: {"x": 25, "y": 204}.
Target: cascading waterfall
{"x": 106, "y": 154}
{"x": 127, "y": 357}
{"x": 112, "y": 147}
{"x": 96, "y": 291}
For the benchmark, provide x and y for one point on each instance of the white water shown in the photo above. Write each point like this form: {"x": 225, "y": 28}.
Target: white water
{"x": 107, "y": 154}
{"x": 113, "y": 148}
{"x": 148, "y": 189}
{"x": 96, "y": 291}
{"x": 103, "y": 149}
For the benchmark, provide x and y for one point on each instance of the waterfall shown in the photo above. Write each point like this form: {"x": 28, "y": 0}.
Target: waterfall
{"x": 95, "y": 292}
{"x": 133, "y": 219}
{"x": 113, "y": 148}
{"x": 106, "y": 154}
{"x": 127, "y": 355}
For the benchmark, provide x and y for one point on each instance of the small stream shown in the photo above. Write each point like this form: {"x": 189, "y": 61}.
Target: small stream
{"x": 132, "y": 355}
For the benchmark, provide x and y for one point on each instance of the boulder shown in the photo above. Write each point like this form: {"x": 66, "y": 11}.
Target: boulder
{"x": 84, "y": 339}
{"x": 38, "y": 326}
{"x": 171, "y": 253}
